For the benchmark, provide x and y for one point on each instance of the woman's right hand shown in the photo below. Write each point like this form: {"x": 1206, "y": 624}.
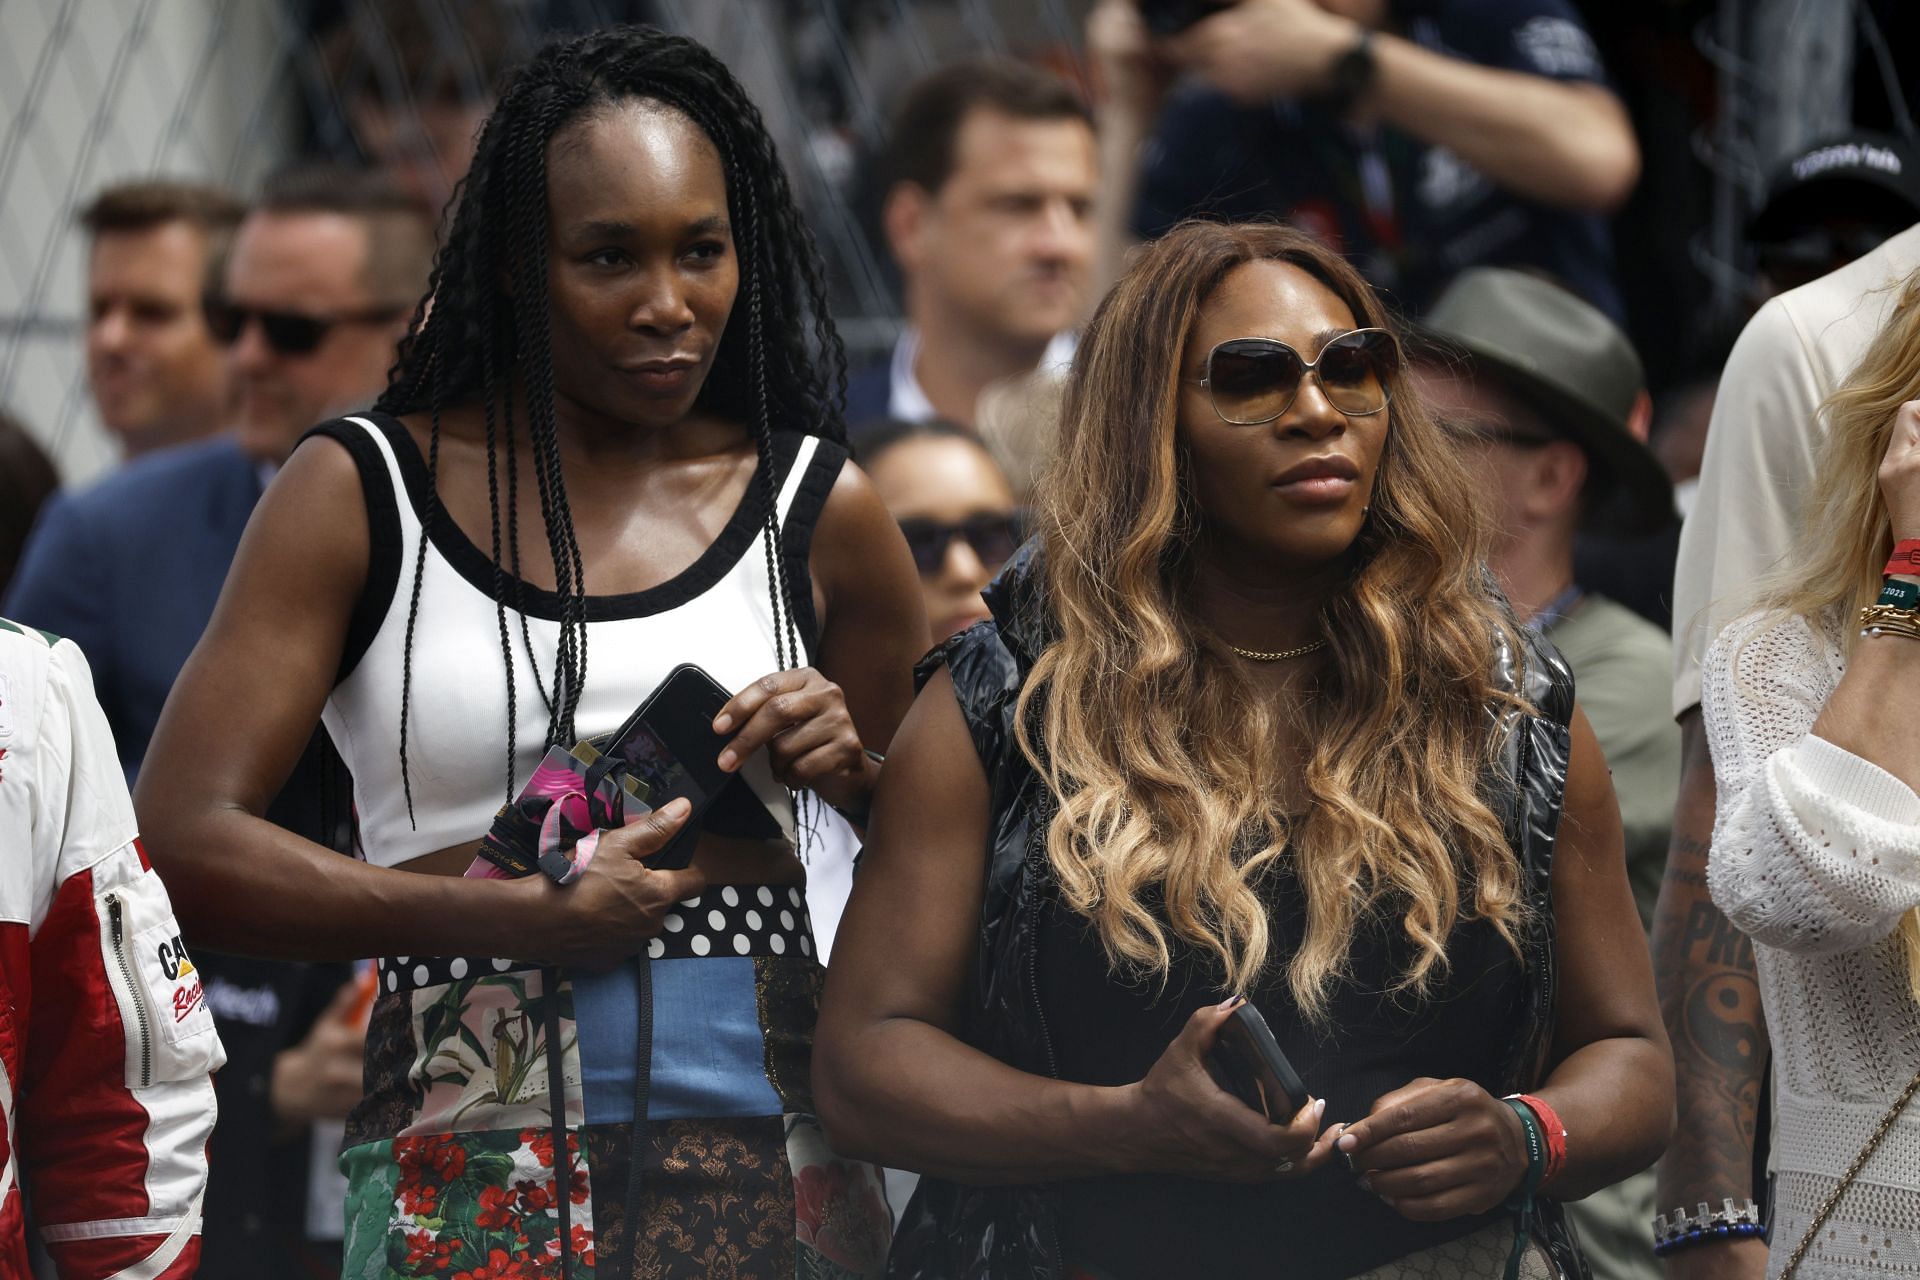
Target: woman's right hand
{"x": 1900, "y": 472}
{"x": 619, "y": 901}
{"x": 1185, "y": 1123}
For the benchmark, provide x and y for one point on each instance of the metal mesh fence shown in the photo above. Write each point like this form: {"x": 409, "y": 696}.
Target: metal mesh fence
{"x": 94, "y": 92}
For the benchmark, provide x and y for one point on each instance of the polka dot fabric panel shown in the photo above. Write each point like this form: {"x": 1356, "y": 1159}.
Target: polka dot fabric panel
{"x": 726, "y": 920}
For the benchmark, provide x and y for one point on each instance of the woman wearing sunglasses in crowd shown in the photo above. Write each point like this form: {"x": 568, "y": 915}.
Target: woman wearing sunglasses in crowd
{"x": 1250, "y": 724}
{"x": 613, "y": 436}
{"x": 955, "y": 507}
{"x": 1810, "y": 707}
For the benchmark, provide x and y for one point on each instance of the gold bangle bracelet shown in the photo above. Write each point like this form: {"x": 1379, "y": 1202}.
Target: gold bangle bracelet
{"x": 1888, "y": 620}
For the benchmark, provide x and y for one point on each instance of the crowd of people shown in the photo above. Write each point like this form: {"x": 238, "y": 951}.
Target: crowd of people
{"x": 1248, "y": 743}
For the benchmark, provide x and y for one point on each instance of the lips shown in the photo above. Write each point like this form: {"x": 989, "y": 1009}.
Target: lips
{"x": 664, "y": 377}
{"x": 1326, "y": 480}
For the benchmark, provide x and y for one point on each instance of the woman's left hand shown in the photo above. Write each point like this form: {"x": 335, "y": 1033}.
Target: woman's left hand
{"x": 801, "y": 718}
{"x": 1437, "y": 1149}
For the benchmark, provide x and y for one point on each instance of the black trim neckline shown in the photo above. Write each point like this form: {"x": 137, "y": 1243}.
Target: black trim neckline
{"x": 476, "y": 566}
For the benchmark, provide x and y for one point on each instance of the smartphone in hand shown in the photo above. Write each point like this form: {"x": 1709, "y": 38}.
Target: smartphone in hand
{"x": 1247, "y": 1062}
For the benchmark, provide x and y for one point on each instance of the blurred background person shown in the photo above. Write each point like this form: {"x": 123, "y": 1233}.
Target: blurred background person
{"x": 415, "y": 80}
{"x": 1826, "y": 205}
{"x": 1417, "y": 140}
{"x": 1542, "y": 400}
{"x": 1832, "y": 202}
{"x": 154, "y": 369}
{"x": 322, "y": 277}
{"x": 955, "y": 507}
{"x": 27, "y": 480}
{"x": 990, "y": 172}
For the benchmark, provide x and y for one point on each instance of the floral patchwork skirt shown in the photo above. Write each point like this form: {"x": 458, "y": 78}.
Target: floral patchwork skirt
{"x": 450, "y": 1158}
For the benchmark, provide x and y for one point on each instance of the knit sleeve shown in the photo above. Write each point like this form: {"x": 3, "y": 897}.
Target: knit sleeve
{"x": 1815, "y": 850}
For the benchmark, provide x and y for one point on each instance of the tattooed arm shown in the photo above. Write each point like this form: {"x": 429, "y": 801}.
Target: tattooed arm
{"x": 1710, "y": 999}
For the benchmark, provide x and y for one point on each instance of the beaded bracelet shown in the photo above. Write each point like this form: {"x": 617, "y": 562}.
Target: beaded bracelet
{"x": 1726, "y": 1223}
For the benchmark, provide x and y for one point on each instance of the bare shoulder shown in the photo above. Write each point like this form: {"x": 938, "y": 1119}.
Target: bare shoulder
{"x": 853, "y": 507}
{"x": 313, "y": 517}
{"x": 858, "y": 549}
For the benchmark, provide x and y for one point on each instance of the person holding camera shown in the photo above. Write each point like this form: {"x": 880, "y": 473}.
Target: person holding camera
{"x": 1419, "y": 137}
{"x": 1249, "y": 727}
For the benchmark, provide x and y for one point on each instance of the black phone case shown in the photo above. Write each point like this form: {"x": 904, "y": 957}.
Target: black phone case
{"x": 728, "y": 804}
{"x": 1247, "y": 1062}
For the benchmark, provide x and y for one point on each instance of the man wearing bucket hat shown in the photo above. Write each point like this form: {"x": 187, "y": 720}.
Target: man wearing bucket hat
{"x": 1541, "y": 389}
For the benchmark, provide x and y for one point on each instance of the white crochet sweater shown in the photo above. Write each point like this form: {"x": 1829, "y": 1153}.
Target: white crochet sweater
{"x": 1816, "y": 856}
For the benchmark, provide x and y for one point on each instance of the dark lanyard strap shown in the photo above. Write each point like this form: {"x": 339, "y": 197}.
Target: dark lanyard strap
{"x": 642, "y": 1085}
{"x": 557, "y": 1106}
{"x": 557, "y": 1103}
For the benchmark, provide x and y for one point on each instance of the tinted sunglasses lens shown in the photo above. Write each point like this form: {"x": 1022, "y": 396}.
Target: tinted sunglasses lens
{"x": 1252, "y": 380}
{"x": 1354, "y": 369}
{"x": 292, "y": 335}
{"x": 993, "y": 538}
{"x": 928, "y": 542}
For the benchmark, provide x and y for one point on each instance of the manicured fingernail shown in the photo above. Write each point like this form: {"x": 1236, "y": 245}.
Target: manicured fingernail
{"x": 727, "y": 759}
{"x": 1231, "y": 1003}
{"x": 1319, "y": 1109}
{"x": 677, "y": 809}
{"x": 722, "y": 723}
{"x": 1347, "y": 1142}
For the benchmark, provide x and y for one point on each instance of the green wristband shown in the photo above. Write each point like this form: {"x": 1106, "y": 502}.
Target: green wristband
{"x": 1536, "y": 1152}
{"x": 1901, "y": 595}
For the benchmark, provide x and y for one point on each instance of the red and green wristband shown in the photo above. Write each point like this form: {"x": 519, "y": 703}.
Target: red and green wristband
{"x": 1552, "y": 1132}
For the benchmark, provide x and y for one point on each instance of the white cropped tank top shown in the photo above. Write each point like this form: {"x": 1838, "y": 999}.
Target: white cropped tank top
{"x": 718, "y": 613}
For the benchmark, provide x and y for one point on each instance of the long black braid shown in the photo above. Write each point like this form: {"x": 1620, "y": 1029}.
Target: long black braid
{"x": 780, "y": 365}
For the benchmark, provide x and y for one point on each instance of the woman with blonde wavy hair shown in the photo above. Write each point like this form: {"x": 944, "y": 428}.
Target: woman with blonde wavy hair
{"x": 1248, "y": 727}
{"x": 1811, "y": 712}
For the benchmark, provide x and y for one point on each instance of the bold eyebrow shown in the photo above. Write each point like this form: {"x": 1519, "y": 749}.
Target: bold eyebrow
{"x": 1322, "y": 338}
{"x": 621, "y": 229}
{"x": 606, "y": 229}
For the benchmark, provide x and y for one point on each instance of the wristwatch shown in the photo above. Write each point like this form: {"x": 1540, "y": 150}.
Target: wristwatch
{"x": 1352, "y": 74}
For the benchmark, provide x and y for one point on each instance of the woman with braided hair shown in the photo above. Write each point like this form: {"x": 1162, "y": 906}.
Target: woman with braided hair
{"x": 627, "y": 350}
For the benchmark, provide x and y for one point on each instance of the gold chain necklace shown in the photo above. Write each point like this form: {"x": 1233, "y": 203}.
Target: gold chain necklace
{"x": 1281, "y": 655}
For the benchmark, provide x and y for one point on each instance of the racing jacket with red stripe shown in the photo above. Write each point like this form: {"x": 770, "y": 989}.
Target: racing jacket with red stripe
{"x": 106, "y": 1097}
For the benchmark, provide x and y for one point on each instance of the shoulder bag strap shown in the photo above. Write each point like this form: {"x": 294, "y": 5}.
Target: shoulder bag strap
{"x": 1832, "y": 1201}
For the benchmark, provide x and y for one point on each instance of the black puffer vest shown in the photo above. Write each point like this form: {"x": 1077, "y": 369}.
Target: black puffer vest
{"x": 950, "y": 1231}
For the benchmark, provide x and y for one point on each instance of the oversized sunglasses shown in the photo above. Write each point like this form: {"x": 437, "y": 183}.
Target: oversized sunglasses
{"x": 290, "y": 333}
{"x": 993, "y": 537}
{"x": 1255, "y": 380}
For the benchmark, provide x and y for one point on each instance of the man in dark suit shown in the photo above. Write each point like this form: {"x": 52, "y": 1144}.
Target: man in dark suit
{"x": 317, "y": 289}
{"x": 318, "y": 286}
{"x": 990, "y": 170}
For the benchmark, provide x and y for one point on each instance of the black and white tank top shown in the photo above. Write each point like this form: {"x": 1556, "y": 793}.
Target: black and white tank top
{"x": 718, "y": 613}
